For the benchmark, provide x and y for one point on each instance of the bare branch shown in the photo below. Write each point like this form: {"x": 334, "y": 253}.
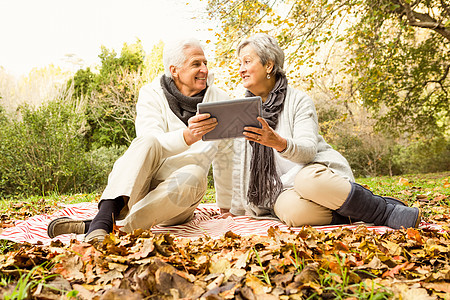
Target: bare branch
{"x": 441, "y": 80}
{"x": 422, "y": 20}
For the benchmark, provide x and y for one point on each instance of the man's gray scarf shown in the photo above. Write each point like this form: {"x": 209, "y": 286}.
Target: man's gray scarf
{"x": 182, "y": 106}
{"x": 265, "y": 184}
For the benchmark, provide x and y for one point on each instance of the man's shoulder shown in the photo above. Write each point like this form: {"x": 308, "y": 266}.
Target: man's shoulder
{"x": 215, "y": 93}
{"x": 153, "y": 86}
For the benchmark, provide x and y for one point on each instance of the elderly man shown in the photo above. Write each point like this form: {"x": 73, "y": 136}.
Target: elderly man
{"x": 162, "y": 177}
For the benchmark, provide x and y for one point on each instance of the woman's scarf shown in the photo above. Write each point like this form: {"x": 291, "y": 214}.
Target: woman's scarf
{"x": 265, "y": 184}
{"x": 182, "y": 106}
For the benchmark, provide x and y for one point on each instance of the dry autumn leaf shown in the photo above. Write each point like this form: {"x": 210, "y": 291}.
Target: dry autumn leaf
{"x": 404, "y": 181}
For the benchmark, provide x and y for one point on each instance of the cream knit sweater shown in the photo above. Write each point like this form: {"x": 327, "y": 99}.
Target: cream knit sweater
{"x": 155, "y": 117}
{"x": 298, "y": 124}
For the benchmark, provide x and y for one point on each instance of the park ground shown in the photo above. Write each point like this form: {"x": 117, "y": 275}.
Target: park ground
{"x": 342, "y": 264}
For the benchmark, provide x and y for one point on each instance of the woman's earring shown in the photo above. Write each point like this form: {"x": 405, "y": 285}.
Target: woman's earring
{"x": 268, "y": 76}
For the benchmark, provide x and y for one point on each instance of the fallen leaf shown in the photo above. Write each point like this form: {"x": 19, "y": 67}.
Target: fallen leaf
{"x": 396, "y": 270}
{"x": 282, "y": 279}
{"x": 403, "y": 181}
{"x": 411, "y": 292}
{"x": 422, "y": 197}
{"x": 406, "y": 192}
{"x": 376, "y": 264}
{"x": 120, "y": 294}
{"x": 446, "y": 184}
{"x": 437, "y": 286}
{"x": 70, "y": 267}
{"x": 413, "y": 234}
{"x": 167, "y": 279}
{"x": 219, "y": 266}
{"x": 308, "y": 274}
{"x": 216, "y": 282}
{"x": 257, "y": 285}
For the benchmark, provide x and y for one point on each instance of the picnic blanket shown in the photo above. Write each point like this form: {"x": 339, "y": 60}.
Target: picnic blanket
{"x": 206, "y": 222}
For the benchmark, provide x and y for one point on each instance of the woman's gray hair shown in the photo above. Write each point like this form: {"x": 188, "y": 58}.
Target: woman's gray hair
{"x": 267, "y": 48}
{"x": 174, "y": 53}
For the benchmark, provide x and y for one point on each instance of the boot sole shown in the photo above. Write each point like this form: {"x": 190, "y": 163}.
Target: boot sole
{"x": 96, "y": 236}
{"x": 419, "y": 218}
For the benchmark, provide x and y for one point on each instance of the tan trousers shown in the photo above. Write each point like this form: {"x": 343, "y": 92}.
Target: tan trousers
{"x": 151, "y": 202}
{"x": 317, "y": 191}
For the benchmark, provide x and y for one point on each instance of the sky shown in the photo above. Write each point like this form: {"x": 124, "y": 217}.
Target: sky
{"x": 36, "y": 33}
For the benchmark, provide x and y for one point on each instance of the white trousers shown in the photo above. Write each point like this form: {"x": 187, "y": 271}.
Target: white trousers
{"x": 154, "y": 202}
{"x": 317, "y": 191}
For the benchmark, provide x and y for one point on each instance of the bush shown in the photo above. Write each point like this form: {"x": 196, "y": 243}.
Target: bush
{"x": 425, "y": 156}
{"x": 111, "y": 112}
{"x": 45, "y": 152}
{"x": 368, "y": 154}
{"x": 375, "y": 153}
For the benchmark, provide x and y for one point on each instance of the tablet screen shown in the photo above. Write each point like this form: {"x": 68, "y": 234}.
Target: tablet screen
{"x": 232, "y": 116}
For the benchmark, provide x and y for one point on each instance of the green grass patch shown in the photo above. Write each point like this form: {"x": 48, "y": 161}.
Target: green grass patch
{"x": 210, "y": 196}
{"x": 20, "y": 208}
{"x": 412, "y": 187}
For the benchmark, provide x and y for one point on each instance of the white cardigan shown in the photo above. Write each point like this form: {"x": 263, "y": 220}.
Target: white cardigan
{"x": 155, "y": 117}
{"x": 299, "y": 125}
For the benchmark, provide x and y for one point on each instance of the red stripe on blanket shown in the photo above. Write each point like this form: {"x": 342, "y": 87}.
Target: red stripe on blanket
{"x": 206, "y": 222}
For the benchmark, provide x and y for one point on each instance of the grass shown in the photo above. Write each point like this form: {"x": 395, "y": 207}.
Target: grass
{"x": 410, "y": 187}
{"x": 210, "y": 196}
{"x": 297, "y": 262}
{"x": 265, "y": 276}
{"x": 430, "y": 192}
{"x": 28, "y": 281}
{"x": 22, "y": 207}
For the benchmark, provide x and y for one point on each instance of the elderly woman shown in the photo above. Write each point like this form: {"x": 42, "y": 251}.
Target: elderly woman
{"x": 285, "y": 169}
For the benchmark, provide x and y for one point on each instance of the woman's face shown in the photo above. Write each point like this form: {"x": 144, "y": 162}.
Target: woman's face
{"x": 252, "y": 72}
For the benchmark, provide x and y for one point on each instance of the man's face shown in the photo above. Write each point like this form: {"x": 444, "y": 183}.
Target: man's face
{"x": 190, "y": 78}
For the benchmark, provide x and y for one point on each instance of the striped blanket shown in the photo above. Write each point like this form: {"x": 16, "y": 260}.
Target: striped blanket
{"x": 206, "y": 222}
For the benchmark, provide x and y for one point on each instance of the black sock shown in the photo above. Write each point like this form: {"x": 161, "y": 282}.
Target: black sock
{"x": 87, "y": 225}
{"x": 108, "y": 211}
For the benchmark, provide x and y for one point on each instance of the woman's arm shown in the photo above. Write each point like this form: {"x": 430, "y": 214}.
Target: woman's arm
{"x": 302, "y": 144}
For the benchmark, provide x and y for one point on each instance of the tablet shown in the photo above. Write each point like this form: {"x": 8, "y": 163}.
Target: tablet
{"x": 232, "y": 116}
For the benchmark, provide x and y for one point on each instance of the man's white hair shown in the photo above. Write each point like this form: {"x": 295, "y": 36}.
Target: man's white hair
{"x": 174, "y": 53}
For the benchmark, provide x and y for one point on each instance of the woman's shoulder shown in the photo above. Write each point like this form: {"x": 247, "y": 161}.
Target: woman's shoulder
{"x": 296, "y": 97}
{"x": 297, "y": 93}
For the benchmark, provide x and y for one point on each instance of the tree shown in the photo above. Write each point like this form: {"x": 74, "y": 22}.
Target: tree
{"x": 36, "y": 88}
{"x": 402, "y": 58}
{"x": 390, "y": 55}
{"x": 111, "y": 94}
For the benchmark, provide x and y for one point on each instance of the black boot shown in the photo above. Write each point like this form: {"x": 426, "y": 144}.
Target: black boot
{"x": 361, "y": 204}
{"x": 339, "y": 219}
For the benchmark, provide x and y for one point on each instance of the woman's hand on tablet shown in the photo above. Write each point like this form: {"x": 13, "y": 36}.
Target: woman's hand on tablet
{"x": 265, "y": 136}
